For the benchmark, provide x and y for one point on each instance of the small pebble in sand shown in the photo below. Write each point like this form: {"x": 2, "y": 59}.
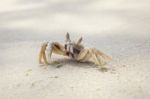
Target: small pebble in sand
{"x": 72, "y": 88}
{"x": 123, "y": 65}
{"x": 56, "y": 77}
{"x": 18, "y": 85}
{"x": 27, "y": 74}
{"x": 53, "y": 77}
{"x": 33, "y": 84}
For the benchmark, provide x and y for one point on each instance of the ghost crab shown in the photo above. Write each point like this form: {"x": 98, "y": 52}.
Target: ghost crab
{"x": 73, "y": 50}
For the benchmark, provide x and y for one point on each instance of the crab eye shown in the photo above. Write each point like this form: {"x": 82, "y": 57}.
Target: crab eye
{"x": 65, "y": 46}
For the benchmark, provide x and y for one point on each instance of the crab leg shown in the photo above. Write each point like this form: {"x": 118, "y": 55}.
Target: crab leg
{"x": 42, "y": 54}
{"x": 50, "y": 48}
{"x": 92, "y": 55}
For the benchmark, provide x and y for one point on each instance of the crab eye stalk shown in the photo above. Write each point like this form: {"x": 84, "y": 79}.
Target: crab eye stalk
{"x": 68, "y": 37}
{"x": 79, "y": 41}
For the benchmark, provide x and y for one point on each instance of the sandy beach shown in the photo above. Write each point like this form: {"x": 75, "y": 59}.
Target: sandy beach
{"x": 119, "y": 28}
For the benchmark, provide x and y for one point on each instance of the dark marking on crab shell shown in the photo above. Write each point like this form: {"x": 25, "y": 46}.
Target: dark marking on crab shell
{"x": 57, "y": 46}
{"x": 76, "y": 51}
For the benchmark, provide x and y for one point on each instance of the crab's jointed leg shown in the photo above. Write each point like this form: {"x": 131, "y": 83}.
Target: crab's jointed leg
{"x": 54, "y": 47}
{"x": 93, "y": 55}
{"x": 42, "y": 55}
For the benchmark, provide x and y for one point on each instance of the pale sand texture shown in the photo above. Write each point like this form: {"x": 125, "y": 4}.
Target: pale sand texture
{"x": 120, "y": 28}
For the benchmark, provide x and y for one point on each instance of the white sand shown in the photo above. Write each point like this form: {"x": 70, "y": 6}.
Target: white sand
{"x": 117, "y": 27}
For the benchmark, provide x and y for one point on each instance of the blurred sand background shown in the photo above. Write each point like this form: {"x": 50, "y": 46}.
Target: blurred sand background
{"x": 120, "y": 28}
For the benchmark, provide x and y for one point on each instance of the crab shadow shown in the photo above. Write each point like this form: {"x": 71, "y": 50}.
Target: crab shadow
{"x": 75, "y": 63}
{"x": 58, "y": 63}
{"x": 70, "y": 62}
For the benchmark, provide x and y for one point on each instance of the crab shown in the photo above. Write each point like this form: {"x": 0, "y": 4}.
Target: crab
{"x": 73, "y": 50}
